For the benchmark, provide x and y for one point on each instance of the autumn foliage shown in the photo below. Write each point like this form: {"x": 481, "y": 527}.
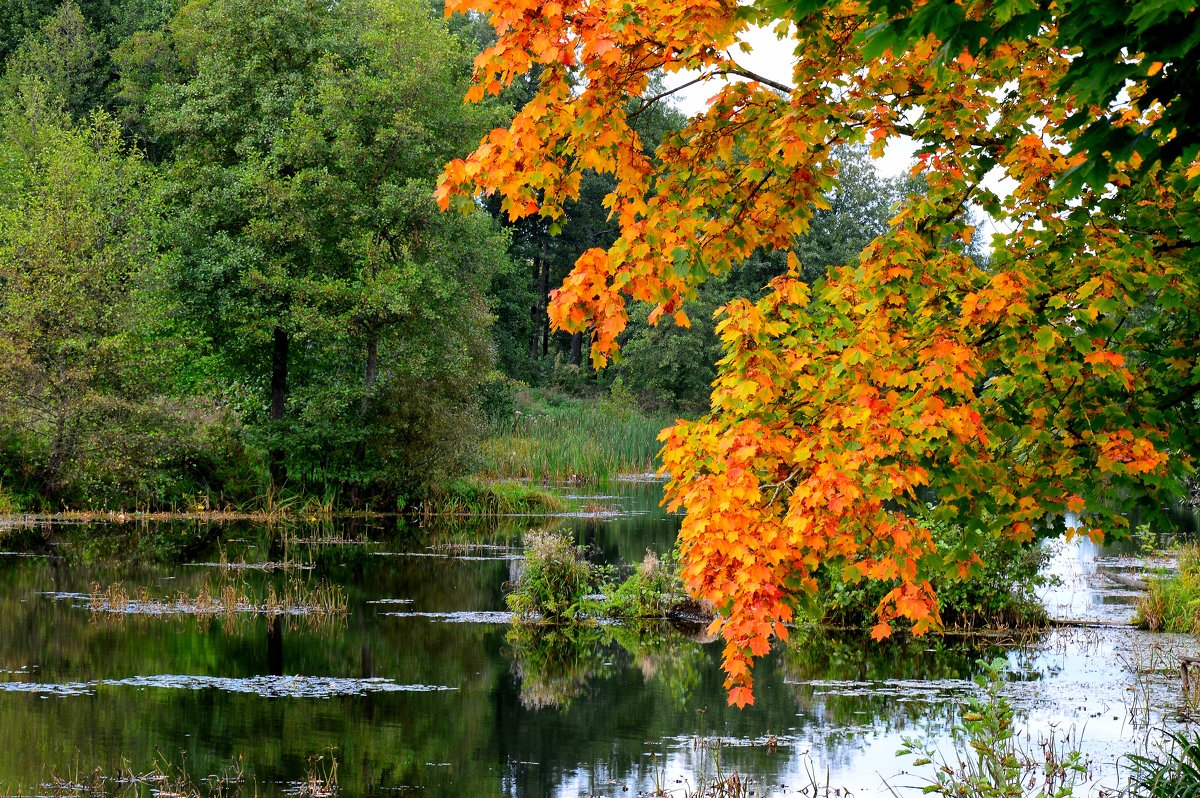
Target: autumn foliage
{"x": 1060, "y": 377}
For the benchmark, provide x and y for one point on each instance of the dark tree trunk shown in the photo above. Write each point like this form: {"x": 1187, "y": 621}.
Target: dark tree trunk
{"x": 279, "y": 372}
{"x": 577, "y": 348}
{"x": 275, "y": 646}
{"x": 544, "y": 300}
{"x": 369, "y": 378}
{"x": 535, "y": 312}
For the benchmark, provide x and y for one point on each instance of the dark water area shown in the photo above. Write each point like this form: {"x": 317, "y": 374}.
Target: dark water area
{"x": 422, "y": 687}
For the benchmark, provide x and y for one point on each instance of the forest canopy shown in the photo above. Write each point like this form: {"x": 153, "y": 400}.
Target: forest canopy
{"x": 1056, "y": 379}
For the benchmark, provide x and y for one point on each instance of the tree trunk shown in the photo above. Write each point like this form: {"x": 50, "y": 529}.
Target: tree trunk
{"x": 544, "y": 300}
{"x": 369, "y": 378}
{"x": 279, "y": 371}
{"x": 577, "y": 349}
{"x": 535, "y": 316}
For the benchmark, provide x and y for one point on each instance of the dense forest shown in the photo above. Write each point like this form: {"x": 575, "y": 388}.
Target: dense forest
{"x": 223, "y": 277}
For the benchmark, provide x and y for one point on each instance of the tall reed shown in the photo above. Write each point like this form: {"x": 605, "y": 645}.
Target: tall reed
{"x": 572, "y": 439}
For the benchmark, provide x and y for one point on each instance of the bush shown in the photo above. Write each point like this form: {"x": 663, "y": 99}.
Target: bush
{"x": 554, "y": 581}
{"x": 989, "y": 761}
{"x": 559, "y": 585}
{"x": 653, "y": 590}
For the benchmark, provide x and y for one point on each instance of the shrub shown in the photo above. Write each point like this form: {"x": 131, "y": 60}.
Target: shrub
{"x": 989, "y": 761}
{"x": 554, "y": 581}
{"x": 653, "y": 590}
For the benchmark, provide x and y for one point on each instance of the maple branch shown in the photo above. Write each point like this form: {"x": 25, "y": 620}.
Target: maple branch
{"x": 782, "y": 88}
{"x": 649, "y": 101}
{"x": 1180, "y": 396}
{"x": 778, "y": 486}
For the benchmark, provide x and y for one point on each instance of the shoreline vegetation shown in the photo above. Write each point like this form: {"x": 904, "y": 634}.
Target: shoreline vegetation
{"x": 533, "y": 440}
{"x": 470, "y": 497}
{"x": 559, "y": 586}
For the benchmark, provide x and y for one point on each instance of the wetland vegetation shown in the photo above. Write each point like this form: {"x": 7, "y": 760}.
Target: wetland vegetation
{"x": 301, "y": 493}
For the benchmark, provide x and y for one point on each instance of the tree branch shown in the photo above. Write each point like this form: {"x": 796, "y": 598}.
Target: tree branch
{"x": 782, "y": 88}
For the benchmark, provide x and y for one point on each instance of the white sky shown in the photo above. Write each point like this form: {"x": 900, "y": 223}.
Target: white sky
{"x": 772, "y": 58}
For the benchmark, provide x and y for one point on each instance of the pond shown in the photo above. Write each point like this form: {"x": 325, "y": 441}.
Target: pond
{"x": 118, "y": 652}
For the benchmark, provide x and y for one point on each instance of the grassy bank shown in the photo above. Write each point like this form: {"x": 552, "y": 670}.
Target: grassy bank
{"x": 1172, "y": 602}
{"x": 483, "y": 498}
{"x": 468, "y": 497}
{"x": 547, "y": 435}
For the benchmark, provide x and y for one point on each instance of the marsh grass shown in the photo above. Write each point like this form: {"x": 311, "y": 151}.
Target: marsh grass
{"x": 1172, "y": 602}
{"x": 557, "y": 584}
{"x": 554, "y": 581}
{"x": 486, "y": 499}
{"x": 558, "y": 438}
{"x": 653, "y": 591}
{"x": 320, "y": 778}
{"x": 164, "y": 779}
{"x": 229, "y": 598}
{"x": 226, "y": 565}
{"x": 712, "y": 780}
{"x": 1173, "y": 773}
{"x": 320, "y": 532}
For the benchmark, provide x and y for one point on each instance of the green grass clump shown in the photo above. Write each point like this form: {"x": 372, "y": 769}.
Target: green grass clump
{"x": 654, "y": 590}
{"x": 551, "y": 436}
{"x": 1172, "y": 603}
{"x": 554, "y": 581}
{"x": 1174, "y": 773}
{"x": 9, "y": 504}
{"x": 558, "y": 585}
{"x": 491, "y": 498}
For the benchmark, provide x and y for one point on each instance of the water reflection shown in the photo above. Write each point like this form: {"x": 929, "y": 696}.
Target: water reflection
{"x": 423, "y": 685}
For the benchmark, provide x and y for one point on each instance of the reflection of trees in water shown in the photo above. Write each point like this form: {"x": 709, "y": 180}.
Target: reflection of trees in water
{"x": 554, "y": 664}
{"x": 665, "y": 657}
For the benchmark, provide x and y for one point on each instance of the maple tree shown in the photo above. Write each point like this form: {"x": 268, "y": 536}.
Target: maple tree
{"x": 1059, "y": 378}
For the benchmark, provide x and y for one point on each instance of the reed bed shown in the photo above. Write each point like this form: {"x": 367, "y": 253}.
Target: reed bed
{"x": 572, "y": 440}
{"x": 317, "y": 599}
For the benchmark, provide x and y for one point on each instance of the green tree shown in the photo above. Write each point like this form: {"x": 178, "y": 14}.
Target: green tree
{"x": 64, "y": 59}
{"x": 76, "y": 398}
{"x": 301, "y": 139}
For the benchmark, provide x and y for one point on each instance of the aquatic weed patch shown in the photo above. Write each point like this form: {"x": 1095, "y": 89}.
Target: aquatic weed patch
{"x": 480, "y": 498}
{"x": 318, "y": 599}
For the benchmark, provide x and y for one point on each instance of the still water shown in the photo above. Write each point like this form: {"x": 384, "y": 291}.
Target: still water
{"x": 423, "y": 688}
